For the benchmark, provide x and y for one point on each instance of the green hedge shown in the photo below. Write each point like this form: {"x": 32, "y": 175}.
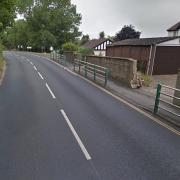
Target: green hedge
{"x": 70, "y": 47}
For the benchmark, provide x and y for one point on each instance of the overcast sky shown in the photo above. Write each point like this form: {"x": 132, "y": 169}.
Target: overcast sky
{"x": 151, "y": 17}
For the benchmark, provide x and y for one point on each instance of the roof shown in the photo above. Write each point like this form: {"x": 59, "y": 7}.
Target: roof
{"x": 94, "y": 43}
{"x": 142, "y": 41}
{"x": 174, "y": 27}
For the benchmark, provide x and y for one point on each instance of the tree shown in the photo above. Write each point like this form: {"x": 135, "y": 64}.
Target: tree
{"x": 48, "y": 23}
{"x": 84, "y": 39}
{"x": 101, "y": 35}
{"x": 7, "y": 13}
{"x": 127, "y": 32}
{"x": 16, "y": 35}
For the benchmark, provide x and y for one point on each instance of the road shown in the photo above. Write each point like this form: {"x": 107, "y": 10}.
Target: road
{"x": 56, "y": 126}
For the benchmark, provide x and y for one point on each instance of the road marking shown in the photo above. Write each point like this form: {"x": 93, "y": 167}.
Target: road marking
{"x": 119, "y": 99}
{"x": 88, "y": 157}
{"x": 35, "y": 68}
{"x": 52, "y": 94}
{"x": 27, "y": 59}
{"x": 31, "y": 63}
{"x": 40, "y": 76}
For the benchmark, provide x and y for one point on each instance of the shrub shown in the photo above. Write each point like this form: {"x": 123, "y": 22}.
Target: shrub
{"x": 70, "y": 47}
{"x": 147, "y": 80}
{"x": 85, "y": 51}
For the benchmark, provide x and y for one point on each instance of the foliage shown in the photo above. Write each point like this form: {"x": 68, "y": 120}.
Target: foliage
{"x": 127, "y": 32}
{"x": 85, "y": 51}
{"x": 147, "y": 80}
{"x": 46, "y": 23}
{"x": 7, "y": 13}
{"x": 1, "y": 59}
{"x": 84, "y": 39}
{"x": 70, "y": 47}
{"x": 102, "y": 35}
{"x": 17, "y": 35}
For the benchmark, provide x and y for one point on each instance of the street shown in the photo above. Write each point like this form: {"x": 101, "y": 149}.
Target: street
{"x": 56, "y": 126}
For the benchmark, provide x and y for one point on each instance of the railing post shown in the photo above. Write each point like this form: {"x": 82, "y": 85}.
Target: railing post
{"x": 74, "y": 65}
{"x": 94, "y": 72}
{"x": 65, "y": 61}
{"x": 79, "y": 66}
{"x": 157, "y": 100}
{"x": 106, "y": 76}
{"x": 85, "y": 69}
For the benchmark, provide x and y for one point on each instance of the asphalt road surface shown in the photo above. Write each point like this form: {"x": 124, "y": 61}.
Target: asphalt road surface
{"x": 56, "y": 126}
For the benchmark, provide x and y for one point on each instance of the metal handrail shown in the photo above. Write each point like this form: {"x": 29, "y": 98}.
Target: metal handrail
{"x": 158, "y": 100}
{"x": 85, "y": 62}
{"x": 168, "y": 87}
{"x": 175, "y": 114}
{"x": 94, "y": 69}
{"x": 178, "y": 107}
{"x": 170, "y": 96}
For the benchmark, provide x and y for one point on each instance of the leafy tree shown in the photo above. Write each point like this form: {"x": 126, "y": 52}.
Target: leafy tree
{"x": 48, "y": 23}
{"x": 101, "y": 35}
{"x": 7, "y": 13}
{"x": 17, "y": 35}
{"x": 84, "y": 39}
{"x": 127, "y": 32}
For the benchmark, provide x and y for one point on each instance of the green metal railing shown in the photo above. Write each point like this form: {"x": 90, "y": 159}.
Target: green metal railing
{"x": 93, "y": 70}
{"x": 158, "y": 100}
{"x": 59, "y": 58}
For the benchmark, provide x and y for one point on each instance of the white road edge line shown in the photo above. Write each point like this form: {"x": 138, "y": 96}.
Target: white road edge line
{"x": 88, "y": 157}
{"x": 52, "y": 94}
{"x": 40, "y": 76}
{"x": 27, "y": 59}
{"x": 35, "y": 68}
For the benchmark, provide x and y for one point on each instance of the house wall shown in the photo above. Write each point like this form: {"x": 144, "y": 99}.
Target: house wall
{"x": 122, "y": 69}
{"x": 103, "y": 45}
{"x": 167, "y": 60}
{"x": 174, "y": 33}
{"x": 174, "y": 42}
{"x": 99, "y": 53}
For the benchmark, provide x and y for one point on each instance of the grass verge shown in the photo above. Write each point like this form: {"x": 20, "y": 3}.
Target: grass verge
{"x": 2, "y": 67}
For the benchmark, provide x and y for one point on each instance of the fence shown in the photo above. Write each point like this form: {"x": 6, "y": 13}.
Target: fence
{"x": 93, "y": 70}
{"x": 159, "y": 100}
{"x": 59, "y": 58}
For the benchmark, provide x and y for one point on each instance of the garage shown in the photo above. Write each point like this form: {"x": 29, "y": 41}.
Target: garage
{"x": 167, "y": 60}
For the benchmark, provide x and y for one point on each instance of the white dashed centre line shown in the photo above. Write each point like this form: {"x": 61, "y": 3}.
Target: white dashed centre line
{"x": 52, "y": 94}
{"x": 31, "y": 63}
{"x": 40, "y": 76}
{"x": 88, "y": 157}
{"x": 35, "y": 68}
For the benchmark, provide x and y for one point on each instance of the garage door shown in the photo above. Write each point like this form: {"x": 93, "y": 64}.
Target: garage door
{"x": 167, "y": 60}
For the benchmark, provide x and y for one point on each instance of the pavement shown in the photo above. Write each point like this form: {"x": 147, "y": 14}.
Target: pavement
{"x": 55, "y": 125}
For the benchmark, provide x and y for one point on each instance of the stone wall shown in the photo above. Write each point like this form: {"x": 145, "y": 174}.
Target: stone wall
{"x": 122, "y": 69}
{"x": 177, "y": 93}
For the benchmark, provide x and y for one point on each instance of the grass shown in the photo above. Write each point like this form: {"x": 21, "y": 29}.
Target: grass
{"x": 147, "y": 80}
{"x": 1, "y": 64}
